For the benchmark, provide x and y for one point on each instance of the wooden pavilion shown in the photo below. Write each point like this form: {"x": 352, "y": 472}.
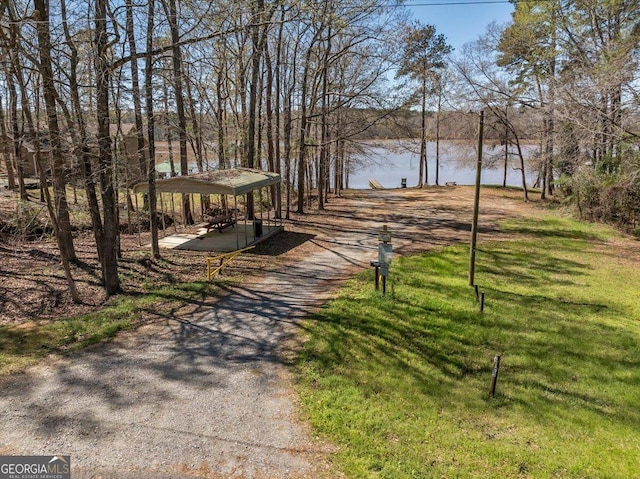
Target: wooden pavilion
{"x": 238, "y": 230}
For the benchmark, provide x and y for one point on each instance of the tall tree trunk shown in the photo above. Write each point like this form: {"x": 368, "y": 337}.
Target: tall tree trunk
{"x": 197, "y": 134}
{"x": 178, "y": 82}
{"x": 423, "y": 130}
{"x": 277, "y": 152}
{"x": 506, "y": 147}
{"x": 27, "y": 129}
{"x": 522, "y": 170}
{"x": 168, "y": 128}
{"x": 220, "y": 98}
{"x": 271, "y": 148}
{"x": 17, "y": 142}
{"x": 66, "y": 266}
{"x": 119, "y": 152}
{"x": 40, "y": 167}
{"x": 339, "y": 168}
{"x": 302, "y": 143}
{"x": 551, "y": 104}
{"x": 256, "y": 56}
{"x": 548, "y": 169}
{"x": 304, "y": 126}
{"x": 289, "y": 84}
{"x": 323, "y": 169}
{"x": 6, "y": 151}
{"x": 135, "y": 91}
{"x": 151, "y": 132}
{"x": 286, "y": 147}
{"x": 55, "y": 144}
{"x": 85, "y": 155}
{"x": 105, "y": 158}
{"x": 438, "y": 134}
{"x": 11, "y": 70}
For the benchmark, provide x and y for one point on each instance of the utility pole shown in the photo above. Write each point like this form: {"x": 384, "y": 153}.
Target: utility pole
{"x": 476, "y": 204}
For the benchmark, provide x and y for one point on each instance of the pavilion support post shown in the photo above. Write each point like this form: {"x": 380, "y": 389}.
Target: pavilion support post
{"x": 246, "y": 239}
{"x": 261, "y": 212}
{"x": 235, "y": 212}
{"x": 279, "y": 206}
{"x": 173, "y": 213}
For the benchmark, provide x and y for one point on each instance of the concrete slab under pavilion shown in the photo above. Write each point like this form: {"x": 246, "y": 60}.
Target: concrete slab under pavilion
{"x": 230, "y": 239}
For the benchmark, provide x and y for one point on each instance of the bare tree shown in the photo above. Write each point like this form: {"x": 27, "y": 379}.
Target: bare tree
{"x": 82, "y": 135}
{"x": 55, "y": 148}
{"x": 151, "y": 133}
{"x": 66, "y": 266}
{"x": 487, "y": 86}
{"x": 135, "y": 90}
{"x": 105, "y": 159}
{"x": 171, "y": 13}
{"x": 6, "y": 151}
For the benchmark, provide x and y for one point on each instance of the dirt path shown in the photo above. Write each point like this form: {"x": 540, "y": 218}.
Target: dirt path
{"x": 210, "y": 395}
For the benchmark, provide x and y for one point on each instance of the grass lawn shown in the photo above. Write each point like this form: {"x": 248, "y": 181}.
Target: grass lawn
{"x": 400, "y": 383}
{"x": 25, "y": 344}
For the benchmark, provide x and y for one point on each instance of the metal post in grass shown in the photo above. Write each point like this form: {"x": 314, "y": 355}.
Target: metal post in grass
{"x": 476, "y": 205}
{"x": 384, "y": 255}
{"x": 494, "y": 376}
{"x": 376, "y": 279}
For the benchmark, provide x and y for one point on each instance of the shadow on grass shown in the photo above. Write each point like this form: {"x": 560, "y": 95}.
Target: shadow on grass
{"x": 523, "y": 266}
{"x": 429, "y": 329}
{"x": 28, "y": 343}
{"x": 550, "y": 228}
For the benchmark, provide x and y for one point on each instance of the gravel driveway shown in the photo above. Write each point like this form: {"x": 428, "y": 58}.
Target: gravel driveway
{"x": 204, "y": 396}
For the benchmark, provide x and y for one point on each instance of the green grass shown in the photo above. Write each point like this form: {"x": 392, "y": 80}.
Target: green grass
{"x": 25, "y": 344}
{"x": 400, "y": 383}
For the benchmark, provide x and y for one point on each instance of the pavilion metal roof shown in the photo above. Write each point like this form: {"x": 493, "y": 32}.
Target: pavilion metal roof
{"x": 236, "y": 181}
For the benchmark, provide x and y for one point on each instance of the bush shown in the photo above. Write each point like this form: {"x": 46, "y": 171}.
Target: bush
{"x": 607, "y": 196}
{"x": 30, "y": 222}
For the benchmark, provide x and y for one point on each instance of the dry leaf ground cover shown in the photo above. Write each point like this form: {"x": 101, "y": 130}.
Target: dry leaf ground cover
{"x": 34, "y": 287}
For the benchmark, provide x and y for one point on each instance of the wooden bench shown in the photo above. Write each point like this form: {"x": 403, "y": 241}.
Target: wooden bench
{"x": 220, "y": 222}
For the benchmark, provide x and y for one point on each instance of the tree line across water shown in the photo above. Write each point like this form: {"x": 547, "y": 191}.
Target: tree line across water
{"x": 295, "y": 87}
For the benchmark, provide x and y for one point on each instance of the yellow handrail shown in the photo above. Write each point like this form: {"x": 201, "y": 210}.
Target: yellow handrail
{"x": 224, "y": 260}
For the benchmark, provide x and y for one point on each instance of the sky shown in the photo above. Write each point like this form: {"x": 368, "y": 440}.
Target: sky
{"x": 460, "y": 22}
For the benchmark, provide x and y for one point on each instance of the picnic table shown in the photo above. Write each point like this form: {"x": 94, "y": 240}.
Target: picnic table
{"x": 220, "y": 221}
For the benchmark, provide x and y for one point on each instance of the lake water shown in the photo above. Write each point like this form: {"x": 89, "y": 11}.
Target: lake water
{"x": 390, "y": 164}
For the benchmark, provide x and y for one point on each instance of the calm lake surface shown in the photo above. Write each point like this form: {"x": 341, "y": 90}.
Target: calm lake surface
{"x": 389, "y": 164}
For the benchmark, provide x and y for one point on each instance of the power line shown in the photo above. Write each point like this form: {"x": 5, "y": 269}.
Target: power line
{"x": 470, "y": 2}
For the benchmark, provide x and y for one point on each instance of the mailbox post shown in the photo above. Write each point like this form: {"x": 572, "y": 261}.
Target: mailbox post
{"x": 384, "y": 255}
